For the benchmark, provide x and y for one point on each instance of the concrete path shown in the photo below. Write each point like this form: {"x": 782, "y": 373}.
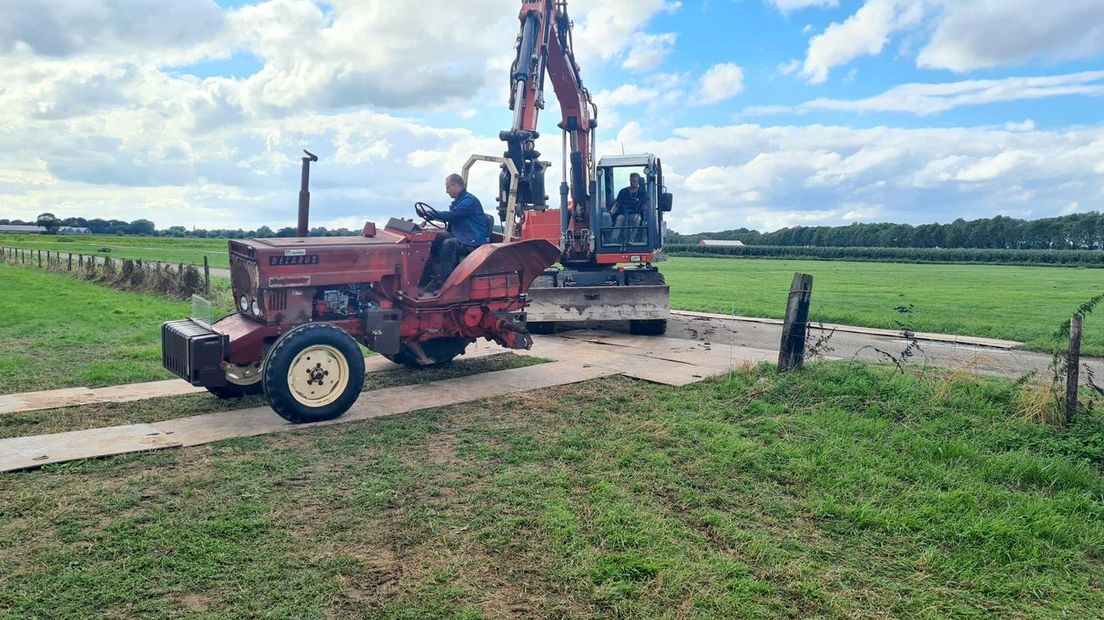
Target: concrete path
{"x": 975, "y": 355}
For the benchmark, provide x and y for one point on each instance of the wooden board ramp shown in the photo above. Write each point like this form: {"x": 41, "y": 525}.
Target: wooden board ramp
{"x": 30, "y": 452}
{"x": 70, "y": 397}
{"x": 27, "y": 452}
{"x": 74, "y": 397}
{"x": 580, "y": 356}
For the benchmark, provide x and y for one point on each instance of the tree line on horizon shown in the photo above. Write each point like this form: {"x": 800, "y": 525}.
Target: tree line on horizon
{"x": 98, "y": 226}
{"x": 1078, "y": 231}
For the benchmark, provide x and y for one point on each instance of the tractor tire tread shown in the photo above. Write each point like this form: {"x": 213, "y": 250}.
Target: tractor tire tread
{"x": 274, "y": 379}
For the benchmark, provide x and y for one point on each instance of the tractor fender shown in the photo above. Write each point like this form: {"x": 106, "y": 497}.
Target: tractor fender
{"x": 498, "y": 270}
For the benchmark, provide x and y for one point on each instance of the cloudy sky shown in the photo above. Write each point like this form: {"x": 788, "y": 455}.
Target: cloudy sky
{"x": 767, "y": 113}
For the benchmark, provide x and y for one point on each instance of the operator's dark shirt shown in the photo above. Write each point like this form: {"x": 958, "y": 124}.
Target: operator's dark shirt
{"x": 467, "y": 222}
{"x": 628, "y": 204}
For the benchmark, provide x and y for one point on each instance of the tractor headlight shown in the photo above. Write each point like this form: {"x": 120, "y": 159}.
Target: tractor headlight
{"x": 256, "y": 308}
{"x": 243, "y": 303}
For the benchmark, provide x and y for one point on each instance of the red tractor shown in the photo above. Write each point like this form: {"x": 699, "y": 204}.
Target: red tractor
{"x": 304, "y": 304}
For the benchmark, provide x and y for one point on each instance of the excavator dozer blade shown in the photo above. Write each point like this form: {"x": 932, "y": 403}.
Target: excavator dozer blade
{"x": 598, "y": 303}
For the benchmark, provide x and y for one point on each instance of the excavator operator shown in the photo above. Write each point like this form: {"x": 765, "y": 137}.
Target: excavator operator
{"x": 468, "y": 228}
{"x": 629, "y": 207}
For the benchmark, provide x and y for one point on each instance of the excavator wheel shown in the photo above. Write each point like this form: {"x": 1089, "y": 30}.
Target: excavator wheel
{"x": 648, "y": 327}
{"x": 440, "y": 350}
{"x": 541, "y": 328}
{"x": 314, "y": 372}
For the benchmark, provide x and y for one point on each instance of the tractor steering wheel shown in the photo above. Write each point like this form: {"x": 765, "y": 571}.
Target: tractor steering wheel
{"x": 431, "y": 216}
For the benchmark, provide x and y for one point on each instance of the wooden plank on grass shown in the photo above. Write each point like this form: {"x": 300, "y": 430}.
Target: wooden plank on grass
{"x": 203, "y": 429}
{"x": 30, "y": 452}
{"x": 74, "y": 397}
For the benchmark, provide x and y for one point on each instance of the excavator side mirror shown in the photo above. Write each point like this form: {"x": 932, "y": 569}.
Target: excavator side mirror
{"x": 666, "y": 200}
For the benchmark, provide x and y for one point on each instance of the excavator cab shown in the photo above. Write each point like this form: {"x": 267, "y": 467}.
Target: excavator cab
{"x": 634, "y": 234}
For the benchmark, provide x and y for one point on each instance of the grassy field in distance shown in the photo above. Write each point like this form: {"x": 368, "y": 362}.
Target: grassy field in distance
{"x": 843, "y": 491}
{"x": 1010, "y": 302}
{"x": 187, "y": 250}
{"x": 1014, "y": 303}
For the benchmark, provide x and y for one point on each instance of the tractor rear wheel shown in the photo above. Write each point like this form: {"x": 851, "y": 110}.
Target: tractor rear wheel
{"x": 439, "y": 350}
{"x": 314, "y": 372}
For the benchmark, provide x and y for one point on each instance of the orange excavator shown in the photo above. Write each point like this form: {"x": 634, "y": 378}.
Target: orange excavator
{"x": 608, "y": 245}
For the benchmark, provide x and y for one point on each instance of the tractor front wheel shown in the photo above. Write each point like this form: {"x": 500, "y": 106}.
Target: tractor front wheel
{"x": 240, "y": 381}
{"x": 231, "y": 390}
{"x": 313, "y": 373}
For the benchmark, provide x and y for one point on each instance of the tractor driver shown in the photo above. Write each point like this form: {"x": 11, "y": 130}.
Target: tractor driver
{"x": 628, "y": 209}
{"x": 468, "y": 228}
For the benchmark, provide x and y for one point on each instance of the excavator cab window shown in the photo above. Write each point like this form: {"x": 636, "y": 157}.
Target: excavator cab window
{"x": 623, "y": 228}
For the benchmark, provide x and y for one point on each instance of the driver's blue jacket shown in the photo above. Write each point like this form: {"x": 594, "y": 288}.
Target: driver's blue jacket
{"x": 467, "y": 222}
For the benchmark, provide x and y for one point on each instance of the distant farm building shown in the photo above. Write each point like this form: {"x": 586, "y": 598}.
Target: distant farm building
{"x": 73, "y": 230}
{"x": 22, "y": 229}
{"x": 720, "y": 243}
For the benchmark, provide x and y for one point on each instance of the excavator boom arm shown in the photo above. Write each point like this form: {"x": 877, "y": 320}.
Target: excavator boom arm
{"x": 544, "y": 48}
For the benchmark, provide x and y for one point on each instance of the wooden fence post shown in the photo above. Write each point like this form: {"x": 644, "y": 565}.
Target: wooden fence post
{"x": 70, "y": 261}
{"x": 791, "y": 353}
{"x": 1073, "y": 367}
{"x": 206, "y": 275}
{"x": 40, "y": 259}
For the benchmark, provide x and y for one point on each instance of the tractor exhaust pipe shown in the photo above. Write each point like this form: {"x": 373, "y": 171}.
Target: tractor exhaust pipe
{"x": 304, "y": 194}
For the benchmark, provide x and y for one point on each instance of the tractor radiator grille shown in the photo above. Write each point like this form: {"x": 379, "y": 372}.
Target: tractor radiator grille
{"x": 276, "y": 300}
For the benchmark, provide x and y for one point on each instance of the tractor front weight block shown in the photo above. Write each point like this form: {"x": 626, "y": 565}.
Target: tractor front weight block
{"x": 194, "y": 352}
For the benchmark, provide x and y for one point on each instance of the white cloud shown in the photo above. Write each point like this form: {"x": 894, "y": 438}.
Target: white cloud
{"x": 928, "y": 99}
{"x": 789, "y": 67}
{"x": 605, "y": 28}
{"x": 176, "y": 31}
{"x": 792, "y": 5}
{"x": 1027, "y": 125}
{"x": 648, "y": 51}
{"x": 626, "y": 94}
{"x": 974, "y": 35}
{"x": 108, "y": 128}
{"x": 863, "y": 34}
{"x": 721, "y": 82}
{"x": 767, "y": 177}
{"x": 964, "y": 35}
{"x": 990, "y": 168}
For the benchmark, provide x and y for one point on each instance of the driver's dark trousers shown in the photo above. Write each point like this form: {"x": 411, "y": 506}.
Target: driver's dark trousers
{"x": 445, "y": 254}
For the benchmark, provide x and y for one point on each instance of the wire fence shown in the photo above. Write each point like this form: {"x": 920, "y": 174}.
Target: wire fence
{"x": 179, "y": 280}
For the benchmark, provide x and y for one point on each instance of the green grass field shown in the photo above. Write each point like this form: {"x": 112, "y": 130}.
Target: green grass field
{"x": 166, "y": 249}
{"x": 1010, "y": 302}
{"x": 59, "y": 331}
{"x": 1014, "y": 303}
{"x": 843, "y": 491}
